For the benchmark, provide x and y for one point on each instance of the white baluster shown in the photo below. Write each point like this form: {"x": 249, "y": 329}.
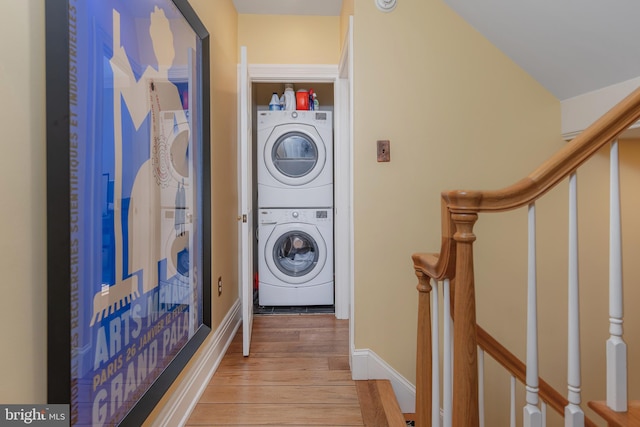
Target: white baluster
{"x": 512, "y": 403}
{"x": 616, "y": 347}
{"x": 435, "y": 351}
{"x": 543, "y": 407}
{"x": 447, "y": 380}
{"x": 573, "y": 414}
{"x": 532, "y": 417}
{"x": 481, "y": 386}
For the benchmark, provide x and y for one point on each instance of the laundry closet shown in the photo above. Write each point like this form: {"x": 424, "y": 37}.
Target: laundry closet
{"x": 293, "y": 196}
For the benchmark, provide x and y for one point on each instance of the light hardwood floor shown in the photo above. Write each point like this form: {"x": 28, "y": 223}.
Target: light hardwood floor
{"x": 297, "y": 375}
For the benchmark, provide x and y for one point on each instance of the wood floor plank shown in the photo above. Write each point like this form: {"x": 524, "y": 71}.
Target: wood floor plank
{"x": 265, "y": 378}
{"x": 340, "y": 363}
{"x": 299, "y": 321}
{"x": 275, "y": 364}
{"x": 372, "y": 410}
{"x": 321, "y": 331}
{"x": 316, "y": 334}
{"x": 213, "y": 414}
{"x": 301, "y": 349}
{"x": 279, "y": 335}
{"x": 287, "y": 335}
{"x": 282, "y": 394}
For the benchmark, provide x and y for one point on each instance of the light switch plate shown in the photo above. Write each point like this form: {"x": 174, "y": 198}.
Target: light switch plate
{"x": 384, "y": 151}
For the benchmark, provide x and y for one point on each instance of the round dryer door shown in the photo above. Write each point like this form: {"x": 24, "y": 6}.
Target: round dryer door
{"x": 295, "y": 154}
{"x": 295, "y": 253}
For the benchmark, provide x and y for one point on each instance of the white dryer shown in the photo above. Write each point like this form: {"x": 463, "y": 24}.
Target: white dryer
{"x": 295, "y": 250}
{"x": 295, "y": 159}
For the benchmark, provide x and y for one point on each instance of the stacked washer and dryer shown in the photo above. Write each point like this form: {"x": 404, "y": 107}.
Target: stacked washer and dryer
{"x": 295, "y": 208}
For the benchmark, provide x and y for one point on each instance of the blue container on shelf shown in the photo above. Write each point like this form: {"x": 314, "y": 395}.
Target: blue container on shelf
{"x": 275, "y": 102}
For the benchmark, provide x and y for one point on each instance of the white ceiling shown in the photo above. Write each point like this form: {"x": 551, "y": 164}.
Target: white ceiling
{"x": 289, "y": 7}
{"x": 570, "y": 46}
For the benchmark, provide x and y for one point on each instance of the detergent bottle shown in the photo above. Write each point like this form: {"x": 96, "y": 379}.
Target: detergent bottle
{"x": 302, "y": 99}
{"x": 311, "y": 94}
{"x": 275, "y": 102}
{"x": 289, "y": 97}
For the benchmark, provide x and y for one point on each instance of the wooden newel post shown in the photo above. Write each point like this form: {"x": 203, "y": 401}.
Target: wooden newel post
{"x": 465, "y": 353}
{"x": 424, "y": 357}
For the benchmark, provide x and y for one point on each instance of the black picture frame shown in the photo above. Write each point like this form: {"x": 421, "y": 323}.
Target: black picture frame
{"x": 63, "y": 305}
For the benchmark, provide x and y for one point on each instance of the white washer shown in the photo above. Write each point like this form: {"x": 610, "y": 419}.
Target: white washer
{"x": 295, "y": 159}
{"x": 295, "y": 251}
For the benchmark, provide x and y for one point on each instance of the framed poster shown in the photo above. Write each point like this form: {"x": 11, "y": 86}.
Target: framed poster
{"x": 128, "y": 203}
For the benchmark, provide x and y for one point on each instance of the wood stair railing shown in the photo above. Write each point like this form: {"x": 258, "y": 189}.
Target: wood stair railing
{"x": 459, "y": 210}
{"x": 631, "y": 418}
{"x": 518, "y": 369}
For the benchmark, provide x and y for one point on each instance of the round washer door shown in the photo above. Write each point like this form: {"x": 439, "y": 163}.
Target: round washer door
{"x": 295, "y": 154}
{"x": 295, "y": 253}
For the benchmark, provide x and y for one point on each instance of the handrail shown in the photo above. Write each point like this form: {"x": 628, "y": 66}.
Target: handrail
{"x": 518, "y": 369}
{"x": 559, "y": 166}
{"x": 442, "y": 265}
{"x": 460, "y": 209}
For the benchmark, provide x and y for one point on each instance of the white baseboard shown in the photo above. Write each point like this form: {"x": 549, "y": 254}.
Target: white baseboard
{"x": 177, "y": 410}
{"x": 367, "y": 365}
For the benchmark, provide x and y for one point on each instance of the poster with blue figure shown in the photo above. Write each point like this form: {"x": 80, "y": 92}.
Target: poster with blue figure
{"x": 135, "y": 196}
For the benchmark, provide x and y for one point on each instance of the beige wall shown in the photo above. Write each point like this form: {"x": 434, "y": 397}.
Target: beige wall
{"x": 220, "y": 18}
{"x": 345, "y": 13}
{"x": 289, "y": 39}
{"x": 23, "y": 259}
{"x": 459, "y": 114}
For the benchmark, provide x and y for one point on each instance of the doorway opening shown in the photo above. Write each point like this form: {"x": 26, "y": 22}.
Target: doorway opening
{"x": 339, "y": 76}
{"x": 293, "y": 181}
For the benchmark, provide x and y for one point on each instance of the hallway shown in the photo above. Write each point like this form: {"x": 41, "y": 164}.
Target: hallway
{"x": 297, "y": 375}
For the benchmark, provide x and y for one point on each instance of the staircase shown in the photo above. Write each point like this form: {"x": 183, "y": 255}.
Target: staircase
{"x": 458, "y": 388}
{"x": 378, "y": 404}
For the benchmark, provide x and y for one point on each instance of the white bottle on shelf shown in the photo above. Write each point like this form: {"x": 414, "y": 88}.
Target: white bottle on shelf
{"x": 289, "y": 97}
